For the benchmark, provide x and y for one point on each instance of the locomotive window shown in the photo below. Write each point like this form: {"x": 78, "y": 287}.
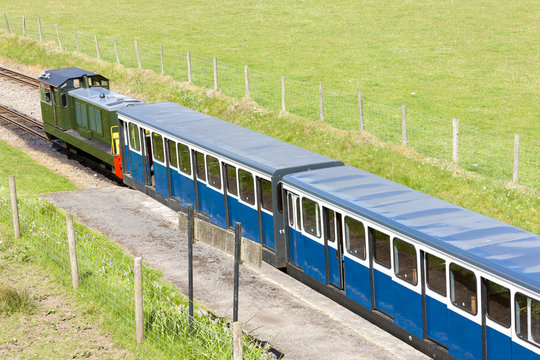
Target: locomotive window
{"x": 232, "y": 186}
{"x": 64, "y": 100}
{"x": 266, "y": 189}
{"x": 134, "y": 137}
{"x": 185, "y": 159}
{"x": 498, "y": 303}
{"x": 45, "y": 92}
{"x": 463, "y": 288}
{"x": 329, "y": 225}
{"x": 157, "y": 147}
{"x": 405, "y": 261}
{"x": 214, "y": 175}
{"x": 381, "y": 247}
{"x": 247, "y": 191}
{"x": 173, "y": 159}
{"x": 355, "y": 238}
{"x": 201, "y": 175}
{"x": 528, "y": 318}
{"x": 436, "y": 274}
{"x": 311, "y": 218}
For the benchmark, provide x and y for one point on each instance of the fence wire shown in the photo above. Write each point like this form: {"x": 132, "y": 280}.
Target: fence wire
{"x": 480, "y": 150}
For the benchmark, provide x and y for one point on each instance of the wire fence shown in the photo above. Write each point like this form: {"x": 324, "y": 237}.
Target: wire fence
{"x": 106, "y": 278}
{"x": 483, "y": 151}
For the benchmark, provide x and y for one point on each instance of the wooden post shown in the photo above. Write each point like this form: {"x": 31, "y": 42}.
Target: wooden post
{"x": 404, "y": 124}
{"x": 162, "y": 62}
{"x": 455, "y": 142}
{"x": 321, "y": 104}
{"x": 246, "y": 76}
{"x": 77, "y": 40}
{"x": 97, "y": 47}
{"x": 24, "y": 26}
{"x": 515, "y": 174}
{"x": 190, "y": 79}
{"x": 139, "y": 314}
{"x": 215, "y": 74}
{"x": 360, "y": 111}
{"x": 39, "y": 28}
{"x": 58, "y": 36}
{"x": 237, "y": 340}
{"x": 7, "y": 23}
{"x": 283, "y": 107}
{"x": 14, "y": 207}
{"x": 72, "y": 251}
{"x": 116, "y": 51}
{"x": 138, "y": 54}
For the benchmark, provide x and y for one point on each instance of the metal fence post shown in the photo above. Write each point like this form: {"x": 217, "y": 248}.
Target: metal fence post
{"x": 237, "y": 249}
{"x": 246, "y": 76}
{"x": 116, "y": 51}
{"x": 7, "y": 23}
{"x": 283, "y": 107}
{"x": 190, "y": 79}
{"x": 515, "y": 173}
{"x": 215, "y": 74}
{"x": 138, "y": 54}
{"x": 360, "y": 111}
{"x": 139, "y": 314}
{"x": 72, "y": 251}
{"x": 97, "y": 47}
{"x": 321, "y": 103}
{"x": 191, "y": 229}
{"x": 455, "y": 142}
{"x": 162, "y": 61}
{"x": 14, "y": 207}
{"x": 40, "y": 31}
{"x": 404, "y": 124}
{"x": 58, "y": 36}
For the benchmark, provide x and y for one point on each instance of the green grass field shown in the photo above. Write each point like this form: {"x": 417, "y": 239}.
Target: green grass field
{"x": 477, "y": 61}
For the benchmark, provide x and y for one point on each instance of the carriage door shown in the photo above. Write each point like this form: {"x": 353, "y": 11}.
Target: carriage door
{"x": 333, "y": 243}
{"x": 296, "y": 245}
{"x": 496, "y": 320}
{"x": 148, "y": 163}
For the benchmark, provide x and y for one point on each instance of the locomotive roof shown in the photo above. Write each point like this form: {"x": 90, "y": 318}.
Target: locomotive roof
{"x": 57, "y": 77}
{"x": 103, "y": 98}
{"x": 232, "y": 141}
{"x": 499, "y": 248}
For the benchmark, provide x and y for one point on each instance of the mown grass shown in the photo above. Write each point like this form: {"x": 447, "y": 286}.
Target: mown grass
{"x": 471, "y": 60}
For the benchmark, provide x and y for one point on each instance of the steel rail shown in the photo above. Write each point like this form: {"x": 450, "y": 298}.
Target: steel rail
{"x": 22, "y": 121}
{"x": 22, "y": 78}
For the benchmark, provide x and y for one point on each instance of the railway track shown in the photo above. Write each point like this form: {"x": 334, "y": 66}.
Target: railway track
{"x": 22, "y": 121}
{"x": 24, "y": 79}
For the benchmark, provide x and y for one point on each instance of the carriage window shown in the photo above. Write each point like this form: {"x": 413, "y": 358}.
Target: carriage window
{"x": 173, "y": 159}
{"x": 157, "y": 147}
{"x": 498, "y": 303}
{"x": 280, "y": 197}
{"x": 355, "y": 238}
{"x": 311, "y": 218}
{"x": 298, "y": 214}
{"x": 291, "y": 210}
{"x": 381, "y": 247}
{"x": 436, "y": 274}
{"x": 266, "y": 189}
{"x": 405, "y": 261}
{"x": 247, "y": 190}
{"x": 232, "y": 186}
{"x": 463, "y": 288}
{"x": 199, "y": 158}
{"x": 134, "y": 137}
{"x": 184, "y": 159}
{"x": 212, "y": 168}
{"x": 528, "y": 318}
{"x": 329, "y": 225}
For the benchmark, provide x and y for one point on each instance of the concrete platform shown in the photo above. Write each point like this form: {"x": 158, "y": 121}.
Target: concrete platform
{"x": 274, "y": 307}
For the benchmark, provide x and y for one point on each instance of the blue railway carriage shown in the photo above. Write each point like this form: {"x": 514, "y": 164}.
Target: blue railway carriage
{"x": 228, "y": 173}
{"x": 454, "y": 283}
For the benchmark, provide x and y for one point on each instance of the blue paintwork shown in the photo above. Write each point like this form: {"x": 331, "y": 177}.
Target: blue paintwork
{"x": 212, "y": 203}
{"x": 126, "y": 152}
{"x": 296, "y": 245}
{"x": 499, "y": 346}
{"x": 333, "y": 267}
{"x": 245, "y": 215}
{"x": 408, "y": 310}
{"x": 182, "y": 188}
{"x": 384, "y": 294}
{"x": 357, "y": 282}
{"x": 520, "y": 352}
{"x": 314, "y": 260}
{"x": 137, "y": 168}
{"x": 268, "y": 230}
{"x": 437, "y": 320}
{"x": 465, "y": 337}
{"x": 161, "y": 180}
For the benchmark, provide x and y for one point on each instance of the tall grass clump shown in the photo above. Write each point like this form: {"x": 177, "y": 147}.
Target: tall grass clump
{"x": 13, "y": 300}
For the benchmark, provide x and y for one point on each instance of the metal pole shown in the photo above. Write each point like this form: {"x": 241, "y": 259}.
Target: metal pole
{"x": 190, "y": 264}
{"x": 237, "y": 240}
{"x": 14, "y": 207}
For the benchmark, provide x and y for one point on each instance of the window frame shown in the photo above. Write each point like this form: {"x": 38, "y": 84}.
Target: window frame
{"x": 415, "y": 273}
{"x": 344, "y": 217}
{"x": 318, "y": 218}
{"x": 452, "y": 292}
{"x": 228, "y": 166}
{"x": 376, "y": 264}
{"x": 169, "y": 141}
{"x": 154, "y": 159}
{"x": 516, "y": 322}
{"x": 138, "y": 132}
{"x": 429, "y": 290}
{"x": 260, "y": 182}
{"x": 180, "y": 169}
{"x": 255, "y": 197}
{"x": 220, "y": 176}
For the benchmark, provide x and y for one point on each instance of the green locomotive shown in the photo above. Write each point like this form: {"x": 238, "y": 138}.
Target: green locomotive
{"x": 78, "y": 108}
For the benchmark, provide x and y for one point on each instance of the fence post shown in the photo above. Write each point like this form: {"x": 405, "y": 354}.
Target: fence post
{"x": 404, "y": 124}
{"x": 72, "y": 251}
{"x": 162, "y": 62}
{"x": 283, "y": 107}
{"x": 246, "y": 76}
{"x": 360, "y": 111}
{"x": 215, "y": 74}
{"x": 97, "y": 47}
{"x": 191, "y": 229}
{"x": 39, "y": 28}
{"x": 237, "y": 340}
{"x": 7, "y": 23}
{"x": 24, "y": 26}
{"x": 515, "y": 174}
{"x": 455, "y": 142}
{"x": 77, "y": 40}
{"x": 237, "y": 248}
{"x": 116, "y": 51}
{"x": 190, "y": 80}
{"x": 139, "y": 314}
{"x": 58, "y": 36}
{"x": 138, "y": 54}
{"x": 14, "y": 207}
{"x": 321, "y": 104}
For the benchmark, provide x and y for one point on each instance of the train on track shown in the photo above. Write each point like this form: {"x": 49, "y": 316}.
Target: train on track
{"x": 451, "y": 282}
